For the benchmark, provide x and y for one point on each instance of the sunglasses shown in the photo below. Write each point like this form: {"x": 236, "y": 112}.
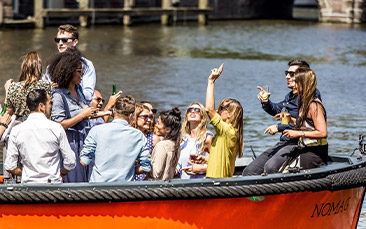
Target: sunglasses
{"x": 222, "y": 107}
{"x": 193, "y": 109}
{"x": 64, "y": 40}
{"x": 289, "y": 72}
{"x": 154, "y": 111}
{"x": 146, "y": 116}
{"x": 100, "y": 100}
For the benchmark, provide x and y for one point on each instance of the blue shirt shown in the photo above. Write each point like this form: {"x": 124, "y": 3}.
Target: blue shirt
{"x": 115, "y": 147}
{"x": 292, "y": 108}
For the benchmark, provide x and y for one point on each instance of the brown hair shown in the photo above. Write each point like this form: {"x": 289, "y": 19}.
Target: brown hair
{"x": 305, "y": 80}
{"x": 298, "y": 62}
{"x": 235, "y": 110}
{"x": 125, "y": 106}
{"x": 69, "y": 29}
{"x": 31, "y": 68}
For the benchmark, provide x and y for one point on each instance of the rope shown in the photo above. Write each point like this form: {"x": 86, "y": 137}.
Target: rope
{"x": 342, "y": 180}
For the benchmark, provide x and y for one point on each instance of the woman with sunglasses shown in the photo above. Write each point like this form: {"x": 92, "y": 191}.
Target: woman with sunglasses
{"x": 70, "y": 107}
{"x": 311, "y": 126}
{"x": 165, "y": 155}
{"x": 228, "y": 123}
{"x": 196, "y": 141}
{"x": 142, "y": 121}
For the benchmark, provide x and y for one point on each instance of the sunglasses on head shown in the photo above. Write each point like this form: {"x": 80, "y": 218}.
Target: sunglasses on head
{"x": 289, "y": 72}
{"x": 146, "y": 116}
{"x": 100, "y": 100}
{"x": 194, "y": 109}
{"x": 64, "y": 40}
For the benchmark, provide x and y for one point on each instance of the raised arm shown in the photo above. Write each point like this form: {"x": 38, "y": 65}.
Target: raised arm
{"x": 210, "y": 97}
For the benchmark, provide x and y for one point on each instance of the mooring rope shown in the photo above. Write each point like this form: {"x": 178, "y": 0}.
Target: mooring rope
{"x": 342, "y": 180}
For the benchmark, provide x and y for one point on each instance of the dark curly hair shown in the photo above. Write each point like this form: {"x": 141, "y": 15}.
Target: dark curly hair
{"x": 62, "y": 66}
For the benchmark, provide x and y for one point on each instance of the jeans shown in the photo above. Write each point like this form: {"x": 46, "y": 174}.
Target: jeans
{"x": 271, "y": 160}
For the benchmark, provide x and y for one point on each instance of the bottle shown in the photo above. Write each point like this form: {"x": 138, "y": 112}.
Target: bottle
{"x": 4, "y": 109}
{"x": 114, "y": 89}
{"x": 284, "y": 119}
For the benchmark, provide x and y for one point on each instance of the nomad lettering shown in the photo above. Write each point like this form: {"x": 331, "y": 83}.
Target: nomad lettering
{"x": 326, "y": 209}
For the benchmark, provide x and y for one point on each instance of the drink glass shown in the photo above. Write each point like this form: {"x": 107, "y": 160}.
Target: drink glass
{"x": 193, "y": 157}
{"x": 265, "y": 94}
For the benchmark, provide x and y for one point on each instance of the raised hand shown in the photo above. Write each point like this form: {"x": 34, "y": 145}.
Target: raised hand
{"x": 215, "y": 73}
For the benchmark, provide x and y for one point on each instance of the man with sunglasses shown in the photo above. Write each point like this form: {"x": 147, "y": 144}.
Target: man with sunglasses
{"x": 98, "y": 102}
{"x": 67, "y": 37}
{"x": 271, "y": 160}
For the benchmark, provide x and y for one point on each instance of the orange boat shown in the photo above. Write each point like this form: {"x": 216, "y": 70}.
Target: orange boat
{"x": 329, "y": 197}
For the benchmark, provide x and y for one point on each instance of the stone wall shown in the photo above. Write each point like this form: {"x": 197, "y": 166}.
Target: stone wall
{"x": 349, "y": 11}
{"x": 7, "y": 9}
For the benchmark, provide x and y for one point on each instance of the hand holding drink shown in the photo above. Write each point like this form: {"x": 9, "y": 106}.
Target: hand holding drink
{"x": 264, "y": 94}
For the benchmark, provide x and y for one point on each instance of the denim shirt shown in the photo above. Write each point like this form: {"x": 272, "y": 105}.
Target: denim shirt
{"x": 58, "y": 113}
{"x": 292, "y": 108}
{"x": 115, "y": 147}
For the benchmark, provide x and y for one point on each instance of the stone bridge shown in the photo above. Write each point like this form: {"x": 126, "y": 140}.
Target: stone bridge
{"x": 346, "y": 11}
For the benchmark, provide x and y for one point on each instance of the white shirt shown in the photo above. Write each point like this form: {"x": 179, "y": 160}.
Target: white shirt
{"x": 39, "y": 141}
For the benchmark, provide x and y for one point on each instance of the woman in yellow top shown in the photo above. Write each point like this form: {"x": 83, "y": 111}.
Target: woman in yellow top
{"x": 228, "y": 124}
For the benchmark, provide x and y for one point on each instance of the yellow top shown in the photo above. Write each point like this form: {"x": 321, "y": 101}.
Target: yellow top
{"x": 221, "y": 162}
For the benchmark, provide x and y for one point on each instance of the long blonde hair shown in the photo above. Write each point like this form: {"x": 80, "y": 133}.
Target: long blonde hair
{"x": 31, "y": 69}
{"x": 235, "y": 111}
{"x": 202, "y": 127}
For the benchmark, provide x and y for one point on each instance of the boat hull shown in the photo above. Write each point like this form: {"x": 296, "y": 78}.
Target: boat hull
{"x": 322, "y": 209}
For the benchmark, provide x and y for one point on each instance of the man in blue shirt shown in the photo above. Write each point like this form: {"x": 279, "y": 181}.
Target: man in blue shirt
{"x": 116, "y": 146}
{"x": 271, "y": 160}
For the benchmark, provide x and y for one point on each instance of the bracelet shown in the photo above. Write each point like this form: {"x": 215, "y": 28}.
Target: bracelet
{"x": 302, "y": 134}
{"x": 4, "y": 124}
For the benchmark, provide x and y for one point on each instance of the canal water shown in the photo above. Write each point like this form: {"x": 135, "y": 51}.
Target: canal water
{"x": 169, "y": 66}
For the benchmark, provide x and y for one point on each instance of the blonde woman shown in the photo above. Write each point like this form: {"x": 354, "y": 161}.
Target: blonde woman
{"x": 196, "y": 141}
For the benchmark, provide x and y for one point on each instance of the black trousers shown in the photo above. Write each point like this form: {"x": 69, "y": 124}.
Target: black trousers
{"x": 271, "y": 160}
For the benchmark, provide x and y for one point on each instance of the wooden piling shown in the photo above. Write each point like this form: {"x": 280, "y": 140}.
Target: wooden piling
{"x": 128, "y": 4}
{"x": 165, "y": 18}
{"x": 83, "y": 4}
{"x": 1, "y": 13}
{"x": 202, "y": 18}
{"x": 38, "y": 13}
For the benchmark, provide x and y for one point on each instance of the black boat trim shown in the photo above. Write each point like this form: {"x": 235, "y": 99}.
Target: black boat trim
{"x": 350, "y": 173}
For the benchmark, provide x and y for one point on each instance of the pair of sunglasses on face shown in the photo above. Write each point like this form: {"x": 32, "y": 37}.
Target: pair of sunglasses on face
{"x": 64, "y": 40}
{"x": 146, "y": 117}
{"x": 290, "y": 73}
{"x": 193, "y": 109}
{"x": 98, "y": 99}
